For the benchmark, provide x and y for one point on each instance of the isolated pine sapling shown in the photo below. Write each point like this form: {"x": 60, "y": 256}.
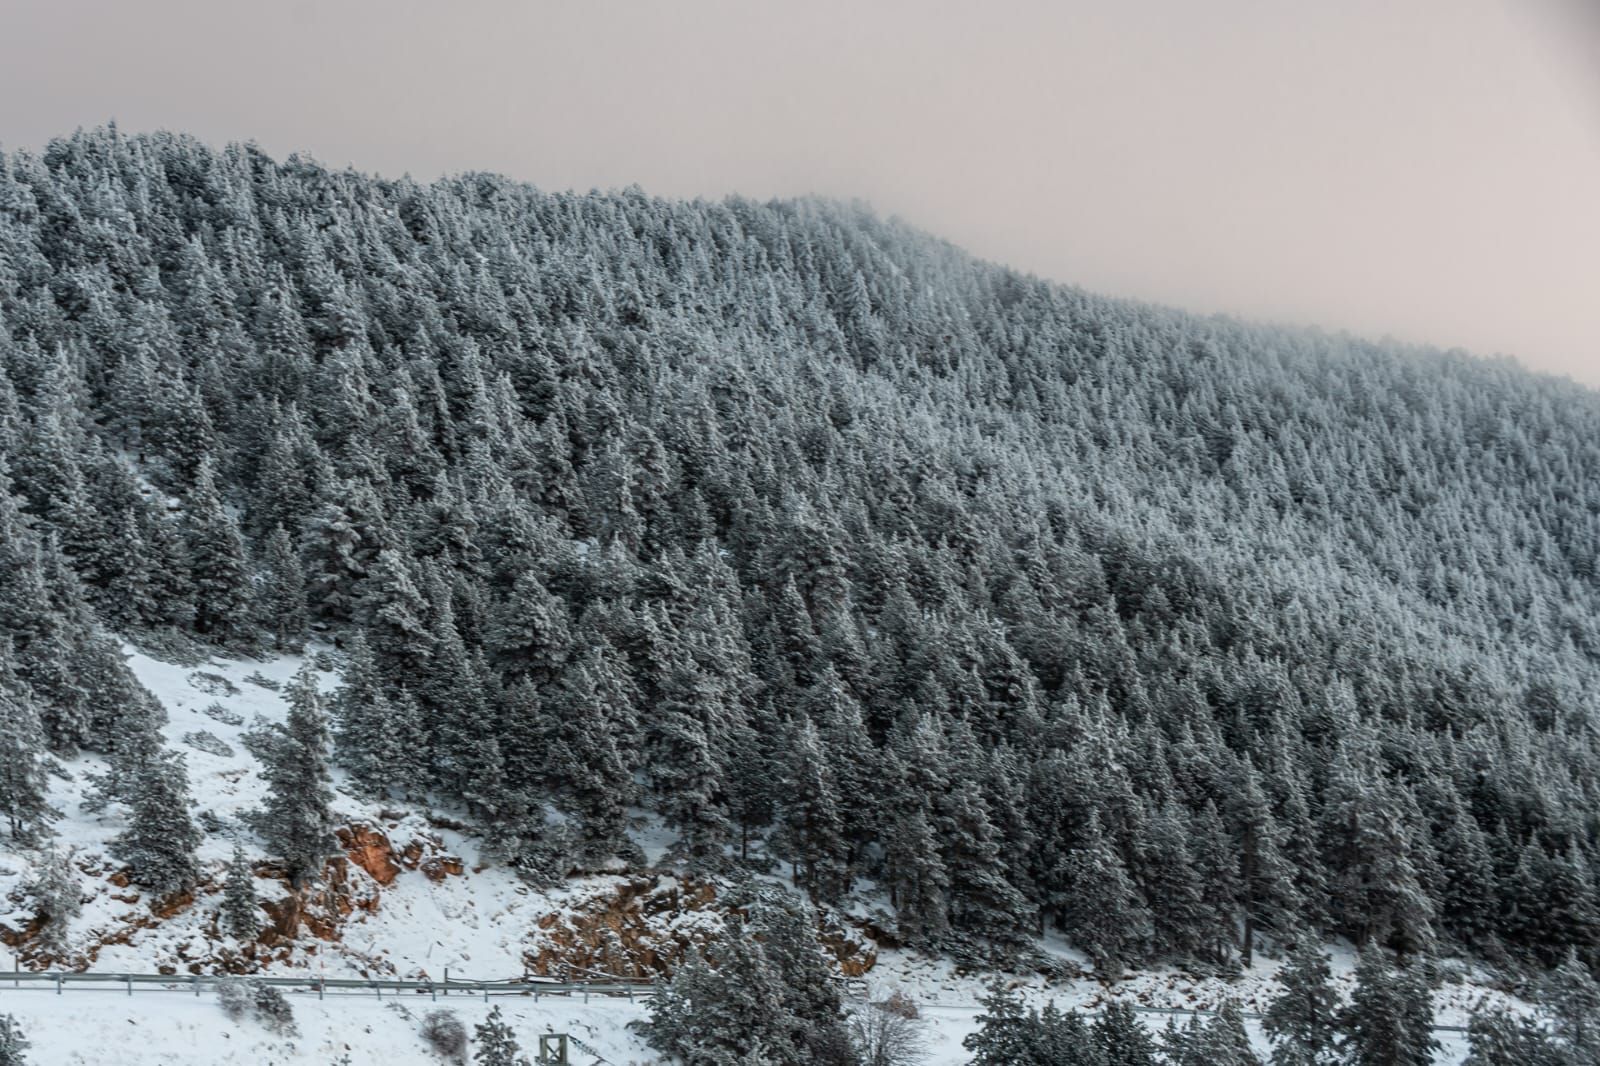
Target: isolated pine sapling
{"x": 13, "y": 1045}
{"x": 496, "y": 1043}
{"x": 241, "y": 997}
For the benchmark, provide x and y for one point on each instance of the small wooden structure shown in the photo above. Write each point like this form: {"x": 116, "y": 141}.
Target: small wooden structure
{"x": 553, "y": 1050}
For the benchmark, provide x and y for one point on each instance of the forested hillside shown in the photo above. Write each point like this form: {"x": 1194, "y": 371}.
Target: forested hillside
{"x": 827, "y": 543}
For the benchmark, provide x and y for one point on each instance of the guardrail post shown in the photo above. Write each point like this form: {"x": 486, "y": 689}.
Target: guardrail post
{"x": 586, "y": 991}
{"x": 320, "y": 986}
{"x": 433, "y": 989}
{"x": 130, "y": 985}
{"x": 58, "y": 984}
{"x": 194, "y": 979}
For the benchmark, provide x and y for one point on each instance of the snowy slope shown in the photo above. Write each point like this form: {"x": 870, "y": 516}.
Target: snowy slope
{"x": 477, "y": 924}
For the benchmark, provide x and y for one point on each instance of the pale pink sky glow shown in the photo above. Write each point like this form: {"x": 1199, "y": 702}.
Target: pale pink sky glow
{"x": 1428, "y": 169}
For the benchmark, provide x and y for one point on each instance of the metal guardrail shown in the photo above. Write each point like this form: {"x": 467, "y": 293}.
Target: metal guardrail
{"x": 309, "y": 983}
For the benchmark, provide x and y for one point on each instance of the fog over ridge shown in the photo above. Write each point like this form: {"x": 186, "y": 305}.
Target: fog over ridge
{"x": 1422, "y": 170}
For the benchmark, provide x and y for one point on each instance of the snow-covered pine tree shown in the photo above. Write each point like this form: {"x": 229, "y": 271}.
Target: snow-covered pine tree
{"x": 160, "y": 839}
{"x": 915, "y": 874}
{"x": 584, "y": 761}
{"x": 786, "y": 926}
{"x": 1104, "y": 914}
{"x": 1572, "y": 996}
{"x": 1389, "y": 1020}
{"x": 297, "y": 820}
{"x": 813, "y": 831}
{"x": 216, "y": 559}
{"x": 1122, "y": 1038}
{"x": 281, "y": 596}
{"x": 240, "y": 914}
{"x": 496, "y": 1042}
{"x": 721, "y": 1013}
{"x": 1219, "y": 1040}
{"x": 24, "y": 771}
{"x": 13, "y": 1044}
{"x": 1303, "y": 1021}
{"x": 57, "y": 899}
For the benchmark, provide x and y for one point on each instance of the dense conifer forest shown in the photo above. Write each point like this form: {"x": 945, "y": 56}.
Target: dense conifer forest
{"x": 833, "y": 547}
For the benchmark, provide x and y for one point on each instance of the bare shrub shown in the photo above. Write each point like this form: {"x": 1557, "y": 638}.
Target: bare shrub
{"x": 446, "y": 1034}
{"x": 888, "y": 1033}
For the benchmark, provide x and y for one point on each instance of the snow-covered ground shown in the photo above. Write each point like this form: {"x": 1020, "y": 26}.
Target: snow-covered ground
{"x": 102, "y": 1028}
{"x": 477, "y": 923}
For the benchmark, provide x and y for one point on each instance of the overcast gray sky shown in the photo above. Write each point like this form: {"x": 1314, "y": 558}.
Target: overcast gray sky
{"x": 1424, "y": 168}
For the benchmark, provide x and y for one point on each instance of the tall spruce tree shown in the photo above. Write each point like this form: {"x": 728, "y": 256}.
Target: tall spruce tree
{"x": 1303, "y": 1022}
{"x": 297, "y": 818}
{"x": 216, "y": 559}
{"x": 24, "y": 771}
{"x": 1389, "y": 1021}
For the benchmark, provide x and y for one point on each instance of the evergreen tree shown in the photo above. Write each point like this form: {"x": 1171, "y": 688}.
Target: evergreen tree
{"x": 1303, "y": 1022}
{"x": 397, "y": 616}
{"x": 24, "y": 772}
{"x": 1122, "y": 1038}
{"x": 1105, "y": 917}
{"x": 1500, "y": 1038}
{"x": 1265, "y": 877}
{"x": 281, "y": 600}
{"x": 813, "y": 828}
{"x": 1572, "y": 997}
{"x": 1390, "y": 1017}
{"x": 216, "y": 559}
{"x": 583, "y": 756}
{"x": 297, "y": 822}
{"x": 57, "y": 900}
{"x": 721, "y": 1014}
{"x": 240, "y": 915}
{"x": 1219, "y": 1040}
{"x": 529, "y": 634}
{"x": 916, "y": 876}
{"x": 685, "y": 762}
{"x": 497, "y": 1043}
{"x": 13, "y": 1044}
{"x": 160, "y": 840}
